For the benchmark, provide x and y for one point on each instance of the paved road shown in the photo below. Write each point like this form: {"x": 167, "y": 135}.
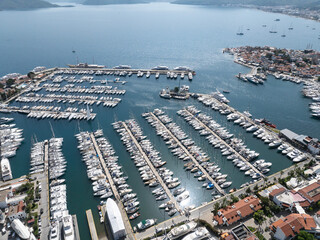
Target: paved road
{"x": 205, "y": 210}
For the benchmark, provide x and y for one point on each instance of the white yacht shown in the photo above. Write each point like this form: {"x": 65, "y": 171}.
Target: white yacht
{"x": 122, "y": 67}
{"x": 181, "y": 230}
{"x": 68, "y": 231}
{"x": 6, "y": 173}
{"x": 160, "y": 68}
{"x": 200, "y": 233}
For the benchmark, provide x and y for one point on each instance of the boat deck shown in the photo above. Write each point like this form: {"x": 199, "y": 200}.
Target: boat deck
{"x": 219, "y": 189}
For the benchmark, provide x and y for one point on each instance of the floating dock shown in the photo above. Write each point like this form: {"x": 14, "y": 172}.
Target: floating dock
{"x": 219, "y": 189}
{"x": 124, "y": 215}
{"x": 155, "y": 172}
{"x": 92, "y": 227}
{"x": 224, "y": 142}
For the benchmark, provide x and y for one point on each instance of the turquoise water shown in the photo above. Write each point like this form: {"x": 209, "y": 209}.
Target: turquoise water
{"x": 145, "y": 36}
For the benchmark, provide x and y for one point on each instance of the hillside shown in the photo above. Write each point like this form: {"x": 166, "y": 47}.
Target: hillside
{"x": 106, "y": 2}
{"x": 298, "y": 3}
{"x": 24, "y": 4}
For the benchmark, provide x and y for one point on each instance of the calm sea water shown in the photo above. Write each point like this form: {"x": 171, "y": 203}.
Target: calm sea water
{"x": 146, "y": 35}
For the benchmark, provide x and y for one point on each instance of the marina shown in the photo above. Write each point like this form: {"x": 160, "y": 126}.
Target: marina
{"x": 223, "y": 137}
{"x": 281, "y": 102}
{"x": 106, "y": 174}
{"x": 131, "y": 131}
{"x": 185, "y": 154}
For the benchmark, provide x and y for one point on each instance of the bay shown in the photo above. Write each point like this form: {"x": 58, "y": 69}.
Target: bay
{"x": 143, "y": 36}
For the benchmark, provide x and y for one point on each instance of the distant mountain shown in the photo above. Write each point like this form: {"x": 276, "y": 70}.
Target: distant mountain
{"x": 298, "y": 3}
{"x": 106, "y": 2}
{"x": 24, "y": 4}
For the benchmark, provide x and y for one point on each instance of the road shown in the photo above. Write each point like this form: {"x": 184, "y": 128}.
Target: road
{"x": 204, "y": 211}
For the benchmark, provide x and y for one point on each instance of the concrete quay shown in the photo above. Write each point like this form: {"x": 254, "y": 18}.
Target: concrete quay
{"x": 92, "y": 227}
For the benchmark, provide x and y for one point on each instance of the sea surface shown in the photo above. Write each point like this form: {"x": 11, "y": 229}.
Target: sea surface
{"x": 143, "y": 36}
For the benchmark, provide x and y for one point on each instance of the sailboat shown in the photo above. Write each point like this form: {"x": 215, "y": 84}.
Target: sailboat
{"x": 291, "y": 27}
{"x": 283, "y": 35}
{"x": 240, "y": 32}
{"x": 273, "y": 30}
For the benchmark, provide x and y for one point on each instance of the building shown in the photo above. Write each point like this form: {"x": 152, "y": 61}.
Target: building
{"x": 289, "y": 227}
{"x": 241, "y": 232}
{"x": 289, "y": 199}
{"x": 237, "y": 211}
{"x": 301, "y": 141}
{"x": 21, "y": 230}
{"x": 115, "y": 219}
{"x": 314, "y": 171}
{"x": 311, "y": 192}
{"x": 17, "y": 212}
{"x": 294, "y": 139}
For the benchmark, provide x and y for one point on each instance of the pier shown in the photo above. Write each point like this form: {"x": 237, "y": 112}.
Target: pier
{"x": 43, "y": 112}
{"x": 155, "y": 172}
{"x": 219, "y": 189}
{"x": 224, "y": 142}
{"x": 124, "y": 215}
{"x": 76, "y": 228}
{"x": 233, "y": 110}
{"x": 46, "y": 172}
{"x": 133, "y": 71}
{"x": 92, "y": 227}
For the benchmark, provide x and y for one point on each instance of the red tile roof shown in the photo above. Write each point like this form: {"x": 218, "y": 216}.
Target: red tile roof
{"x": 276, "y": 192}
{"x": 292, "y": 224}
{"x": 311, "y": 192}
{"x": 245, "y": 207}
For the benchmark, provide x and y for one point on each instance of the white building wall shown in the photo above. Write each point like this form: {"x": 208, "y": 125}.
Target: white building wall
{"x": 279, "y": 234}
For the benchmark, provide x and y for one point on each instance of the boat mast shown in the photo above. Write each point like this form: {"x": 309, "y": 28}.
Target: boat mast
{"x": 52, "y": 130}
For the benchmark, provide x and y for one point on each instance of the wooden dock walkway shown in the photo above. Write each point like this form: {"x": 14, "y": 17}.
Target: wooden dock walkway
{"x": 155, "y": 172}
{"x": 224, "y": 142}
{"x": 219, "y": 189}
{"x": 124, "y": 215}
{"x": 92, "y": 227}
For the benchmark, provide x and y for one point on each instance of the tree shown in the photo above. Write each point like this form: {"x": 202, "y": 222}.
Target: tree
{"x": 303, "y": 235}
{"x": 234, "y": 199}
{"x": 258, "y": 216}
{"x": 31, "y": 75}
{"x": 10, "y": 82}
{"x": 176, "y": 89}
{"x": 265, "y": 180}
{"x": 248, "y": 190}
{"x": 216, "y": 208}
